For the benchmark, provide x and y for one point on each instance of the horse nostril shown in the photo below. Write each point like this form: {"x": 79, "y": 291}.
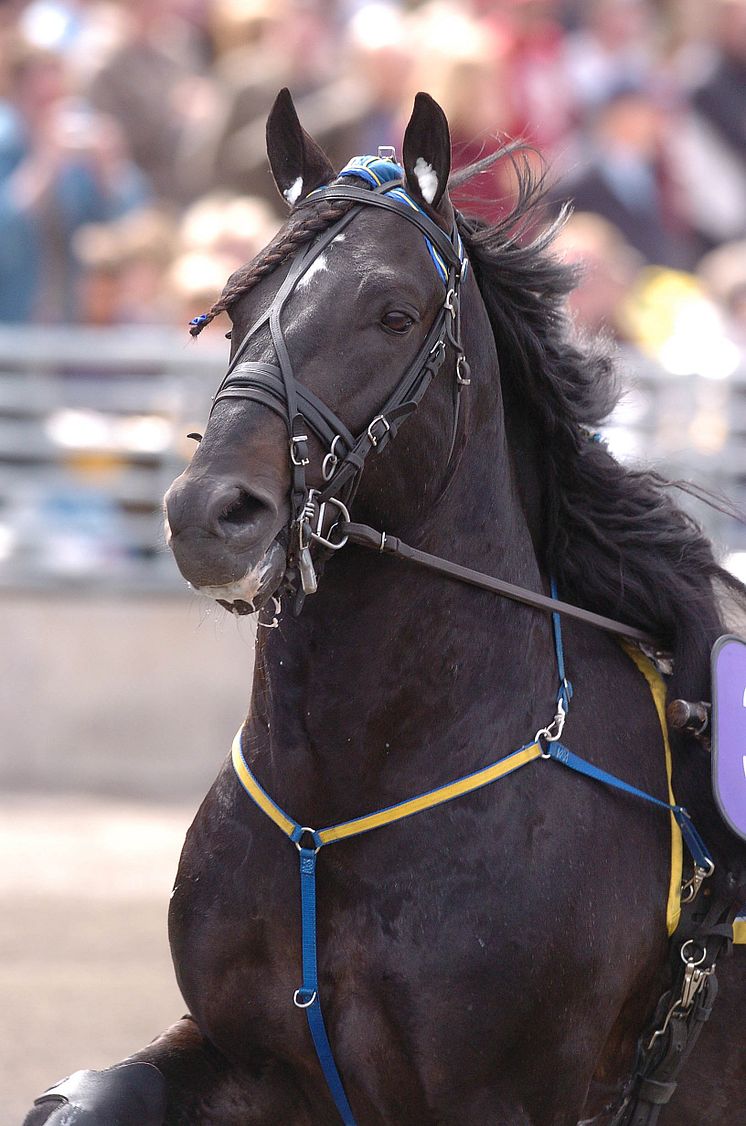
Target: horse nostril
{"x": 240, "y": 510}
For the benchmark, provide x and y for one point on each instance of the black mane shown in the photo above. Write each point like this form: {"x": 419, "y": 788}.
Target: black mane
{"x": 613, "y": 536}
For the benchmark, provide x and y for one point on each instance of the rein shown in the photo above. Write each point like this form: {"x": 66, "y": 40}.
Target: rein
{"x": 365, "y": 536}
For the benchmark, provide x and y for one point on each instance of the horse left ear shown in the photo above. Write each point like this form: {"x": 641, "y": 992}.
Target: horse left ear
{"x": 427, "y": 152}
{"x": 298, "y": 164}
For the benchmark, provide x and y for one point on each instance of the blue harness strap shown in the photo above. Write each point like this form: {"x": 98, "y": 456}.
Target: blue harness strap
{"x": 546, "y": 744}
{"x": 697, "y": 848}
{"x": 307, "y": 997}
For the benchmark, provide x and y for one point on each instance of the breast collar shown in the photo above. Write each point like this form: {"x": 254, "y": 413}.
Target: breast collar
{"x": 276, "y": 386}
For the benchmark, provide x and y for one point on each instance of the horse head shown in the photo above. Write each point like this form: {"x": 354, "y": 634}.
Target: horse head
{"x": 338, "y": 329}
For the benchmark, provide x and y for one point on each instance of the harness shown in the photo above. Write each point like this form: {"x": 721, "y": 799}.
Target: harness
{"x": 276, "y": 386}
{"x": 545, "y": 745}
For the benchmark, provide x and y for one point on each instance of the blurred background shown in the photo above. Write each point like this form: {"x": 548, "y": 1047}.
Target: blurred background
{"x": 133, "y": 180}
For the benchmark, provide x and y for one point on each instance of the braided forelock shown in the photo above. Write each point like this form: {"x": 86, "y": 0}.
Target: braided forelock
{"x": 312, "y": 219}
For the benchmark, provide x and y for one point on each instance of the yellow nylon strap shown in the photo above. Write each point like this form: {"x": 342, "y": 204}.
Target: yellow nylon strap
{"x": 739, "y": 932}
{"x": 260, "y": 796}
{"x": 434, "y": 797}
{"x": 384, "y": 816}
{"x": 658, "y": 690}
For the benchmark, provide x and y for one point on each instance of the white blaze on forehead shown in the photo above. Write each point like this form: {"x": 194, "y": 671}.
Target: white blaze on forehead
{"x": 293, "y": 192}
{"x": 426, "y": 178}
{"x": 316, "y": 267}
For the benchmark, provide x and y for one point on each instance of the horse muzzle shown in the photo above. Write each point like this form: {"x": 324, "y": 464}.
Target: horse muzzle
{"x": 223, "y": 535}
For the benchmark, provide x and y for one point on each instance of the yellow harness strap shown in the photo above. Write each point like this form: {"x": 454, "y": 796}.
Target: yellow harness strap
{"x": 392, "y": 813}
{"x": 479, "y": 778}
{"x": 658, "y": 690}
{"x": 499, "y": 769}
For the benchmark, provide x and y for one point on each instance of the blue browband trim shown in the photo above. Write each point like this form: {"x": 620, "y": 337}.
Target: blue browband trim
{"x": 378, "y": 172}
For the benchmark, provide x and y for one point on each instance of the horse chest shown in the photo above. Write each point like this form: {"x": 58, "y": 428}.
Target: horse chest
{"x": 399, "y": 923}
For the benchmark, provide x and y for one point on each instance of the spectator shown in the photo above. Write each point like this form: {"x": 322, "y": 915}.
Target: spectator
{"x": 125, "y": 266}
{"x": 627, "y": 177}
{"x": 607, "y": 269}
{"x": 721, "y": 98}
{"x": 61, "y": 166}
{"x": 151, "y": 84}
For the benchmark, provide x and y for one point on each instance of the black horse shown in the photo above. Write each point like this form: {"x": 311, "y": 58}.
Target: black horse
{"x": 493, "y": 960}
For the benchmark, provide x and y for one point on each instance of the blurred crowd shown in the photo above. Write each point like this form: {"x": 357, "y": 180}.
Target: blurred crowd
{"x": 133, "y": 174}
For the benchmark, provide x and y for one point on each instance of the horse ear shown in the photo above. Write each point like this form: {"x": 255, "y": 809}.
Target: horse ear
{"x": 427, "y": 151}
{"x": 298, "y": 164}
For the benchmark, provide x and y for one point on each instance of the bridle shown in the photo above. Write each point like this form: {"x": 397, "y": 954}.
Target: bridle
{"x": 321, "y": 516}
{"x": 315, "y": 514}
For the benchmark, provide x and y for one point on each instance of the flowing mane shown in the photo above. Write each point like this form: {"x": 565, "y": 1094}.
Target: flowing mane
{"x": 612, "y": 535}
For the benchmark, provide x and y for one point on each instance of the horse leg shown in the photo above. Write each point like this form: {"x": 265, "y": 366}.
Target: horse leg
{"x": 178, "y": 1080}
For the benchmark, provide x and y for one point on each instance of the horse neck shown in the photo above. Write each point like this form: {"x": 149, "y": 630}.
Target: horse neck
{"x": 387, "y": 661}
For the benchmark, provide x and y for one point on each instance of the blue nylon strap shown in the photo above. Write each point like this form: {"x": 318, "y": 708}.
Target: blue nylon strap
{"x": 565, "y": 688}
{"x": 700, "y": 855}
{"x": 307, "y": 996}
{"x": 378, "y": 172}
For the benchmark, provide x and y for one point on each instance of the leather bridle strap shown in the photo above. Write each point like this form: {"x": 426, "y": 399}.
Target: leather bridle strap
{"x": 365, "y": 536}
{"x": 275, "y": 385}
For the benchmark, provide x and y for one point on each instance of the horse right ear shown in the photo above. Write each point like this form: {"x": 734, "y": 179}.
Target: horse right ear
{"x": 298, "y": 164}
{"x": 427, "y": 152}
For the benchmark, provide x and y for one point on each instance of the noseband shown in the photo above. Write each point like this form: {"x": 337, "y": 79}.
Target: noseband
{"x": 275, "y": 384}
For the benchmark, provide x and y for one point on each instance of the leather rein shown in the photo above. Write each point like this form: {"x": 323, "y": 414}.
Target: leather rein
{"x": 321, "y": 516}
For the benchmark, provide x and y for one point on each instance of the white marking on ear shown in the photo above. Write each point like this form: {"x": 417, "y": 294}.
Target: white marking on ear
{"x": 316, "y": 267}
{"x": 426, "y": 178}
{"x": 293, "y": 192}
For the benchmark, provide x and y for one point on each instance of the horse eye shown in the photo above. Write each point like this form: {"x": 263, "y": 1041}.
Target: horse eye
{"x": 397, "y": 321}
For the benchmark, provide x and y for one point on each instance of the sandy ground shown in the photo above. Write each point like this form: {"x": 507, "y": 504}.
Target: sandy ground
{"x": 85, "y": 970}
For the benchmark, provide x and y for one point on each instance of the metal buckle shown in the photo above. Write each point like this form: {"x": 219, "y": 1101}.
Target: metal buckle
{"x": 450, "y": 302}
{"x": 371, "y": 435}
{"x": 307, "y": 829}
{"x": 331, "y": 461}
{"x": 317, "y": 535}
{"x": 690, "y": 889}
{"x": 387, "y": 152}
{"x": 304, "y": 1004}
{"x": 295, "y": 460}
{"x": 695, "y": 980}
{"x": 461, "y": 363}
{"x": 552, "y": 733}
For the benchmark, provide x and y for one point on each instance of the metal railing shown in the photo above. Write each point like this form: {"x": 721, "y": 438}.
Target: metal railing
{"x": 93, "y": 426}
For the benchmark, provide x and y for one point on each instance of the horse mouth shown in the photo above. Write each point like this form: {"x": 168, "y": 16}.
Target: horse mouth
{"x": 252, "y": 592}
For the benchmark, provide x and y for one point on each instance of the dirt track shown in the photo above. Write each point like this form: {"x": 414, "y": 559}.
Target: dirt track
{"x": 85, "y": 971}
